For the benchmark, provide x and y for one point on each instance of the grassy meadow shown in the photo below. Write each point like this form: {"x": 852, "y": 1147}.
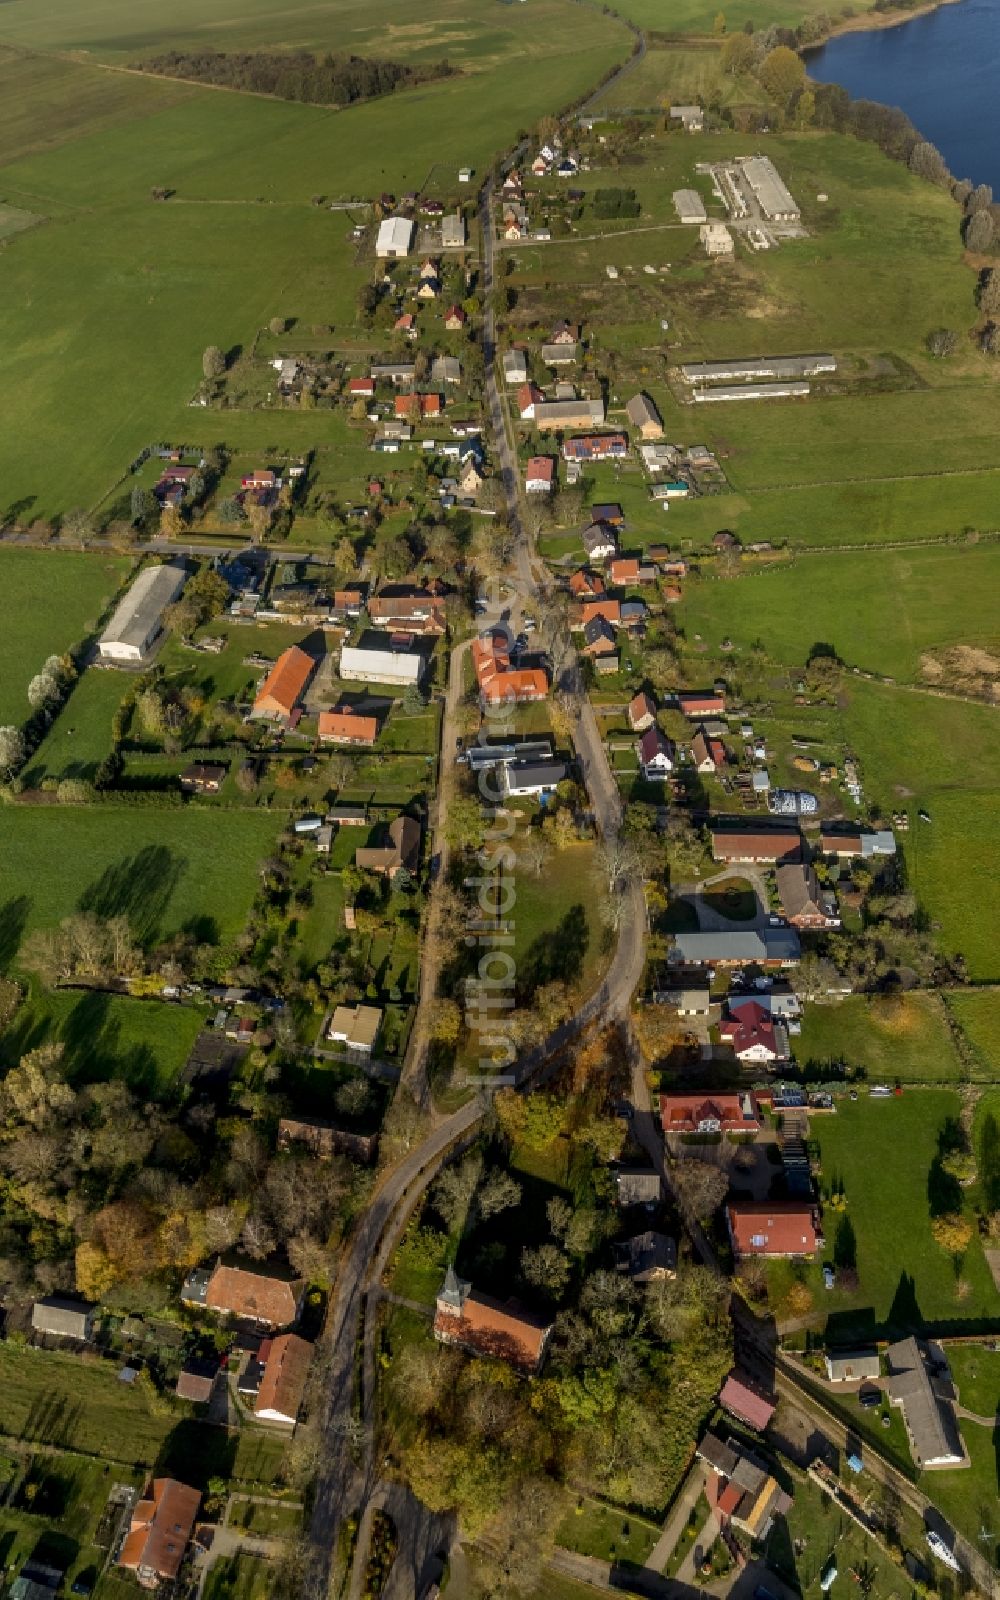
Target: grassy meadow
{"x": 51, "y": 601}
{"x": 166, "y": 870}
{"x": 145, "y": 1042}
{"x": 840, "y": 599}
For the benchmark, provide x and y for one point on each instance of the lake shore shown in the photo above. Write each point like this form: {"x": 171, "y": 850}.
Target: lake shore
{"x": 874, "y": 22}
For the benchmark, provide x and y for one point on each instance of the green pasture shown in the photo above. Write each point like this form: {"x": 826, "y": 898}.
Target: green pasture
{"x": 882, "y": 1154}
{"x": 59, "y": 1523}
{"x": 941, "y": 756}
{"x": 687, "y": 76}
{"x": 978, "y": 1015}
{"x": 49, "y": 602}
{"x": 904, "y": 1038}
{"x": 840, "y": 599}
{"x": 166, "y": 870}
{"x": 146, "y": 1042}
{"x": 80, "y": 737}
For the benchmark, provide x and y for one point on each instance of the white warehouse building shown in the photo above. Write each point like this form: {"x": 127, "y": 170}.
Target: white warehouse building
{"x": 138, "y": 617}
{"x": 395, "y": 237}
{"x": 361, "y": 665}
{"x": 770, "y": 192}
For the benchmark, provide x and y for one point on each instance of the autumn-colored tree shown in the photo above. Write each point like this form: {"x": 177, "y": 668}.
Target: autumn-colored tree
{"x": 952, "y": 1232}
{"x": 782, "y": 72}
{"x": 738, "y": 54}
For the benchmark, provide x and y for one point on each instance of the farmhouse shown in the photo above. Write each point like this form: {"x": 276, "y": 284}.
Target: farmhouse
{"x": 733, "y": 842}
{"x": 515, "y": 367}
{"x": 401, "y": 854}
{"x": 689, "y": 206}
{"x": 394, "y": 238}
{"x": 532, "y": 778}
{"x": 282, "y": 689}
{"x": 453, "y": 232}
{"x": 641, "y": 712}
{"x": 599, "y": 542}
{"x": 773, "y": 1229}
{"x": 539, "y": 475}
{"x": 598, "y": 638}
{"x": 596, "y": 447}
{"x": 924, "y": 1398}
{"x": 803, "y": 903}
{"x": 643, "y": 415}
{"x": 417, "y": 407}
{"x": 346, "y": 726}
{"x": 286, "y": 1361}
{"x": 691, "y": 118}
{"x": 499, "y": 682}
{"x": 708, "y": 753}
{"x": 754, "y": 1036}
{"x": 528, "y": 397}
{"x": 762, "y": 947}
{"x": 138, "y": 617}
{"x": 656, "y": 754}
{"x": 744, "y": 1492}
{"x": 485, "y": 1327}
{"x": 63, "y": 1318}
{"x": 159, "y": 1532}
{"x": 403, "y": 605}
{"x": 647, "y": 1258}
{"x": 716, "y": 238}
{"x": 711, "y": 1113}
{"x": 551, "y": 414}
{"x": 399, "y": 666}
{"x": 250, "y": 1293}
{"x": 560, "y": 355}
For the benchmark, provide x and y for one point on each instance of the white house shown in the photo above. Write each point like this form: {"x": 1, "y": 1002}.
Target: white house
{"x": 532, "y": 778}
{"x": 515, "y": 367}
{"x": 656, "y": 754}
{"x": 599, "y": 542}
{"x": 538, "y": 475}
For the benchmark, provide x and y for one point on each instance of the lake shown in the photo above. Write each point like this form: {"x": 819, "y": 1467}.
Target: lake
{"x": 942, "y": 69}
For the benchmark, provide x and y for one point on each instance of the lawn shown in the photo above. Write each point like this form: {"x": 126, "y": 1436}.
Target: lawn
{"x": 557, "y": 928}
{"x": 80, "y": 737}
{"x": 978, "y": 1015}
{"x": 905, "y": 1038}
{"x": 976, "y": 1371}
{"x": 943, "y": 757}
{"x": 49, "y": 602}
{"x": 77, "y": 1404}
{"x": 165, "y": 870}
{"x": 883, "y": 1154}
{"x": 239, "y": 1577}
{"x": 66, "y": 1495}
{"x": 839, "y": 599}
{"x": 146, "y": 1042}
{"x": 596, "y": 1530}
{"x": 819, "y": 1531}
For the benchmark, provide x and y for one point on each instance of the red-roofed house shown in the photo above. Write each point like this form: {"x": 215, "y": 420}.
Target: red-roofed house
{"x": 586, "y": 583}
{"x": 641, "y": 712}
{"x": 741, "y": 1400}
{"x": 624, "y": 569}
{"x": 362, "y": 386}
{"x": 528, "y": 396}
{"x": 751, "y": 1033}
{"x": 499, "y": 682}
{"x": 737, "y": 1112}
{"x": 538, "y": 475}
{"x": 159, "y": 1532}
{"x": 705, "y": 703}
{"x": 406, "y": 323}
{"x": 418, "y": 405}
{"x": 455, "y": 319}
{"x": 709, "y": 754}
{"x": 610, "y": 610}
{"x": 281, "y": 690}
{"x": 779, "y": 1229}
{"x": 345, "y": 726}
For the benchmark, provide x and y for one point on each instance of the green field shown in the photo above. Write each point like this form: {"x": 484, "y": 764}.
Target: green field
{"x": 976, "y": 1372}
{"x": 59, "y": 1522}
{"x": 80, "y": 737}
{"x": 106, "y": 1036}
{"x": 688, "y": 76}
{"x": 839, "y": 599}
{"x": 166, "y": 870}
{"x": 882, "y": 1153}
{"x": 51, "y": 601}
{"x": 953, "y": 863}
{"x": 979, "y": 1017}
{"x": 906, "y": 1039}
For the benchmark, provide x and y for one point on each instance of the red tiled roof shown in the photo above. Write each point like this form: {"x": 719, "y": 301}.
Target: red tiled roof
{"x": 285, "y": 1372}
{"x": 730, "y": 1498}
{"x": 285, "y": 681}
{"x": 696, "y": 704}
{"x": 253, "y": 1294}
{"x": 162, "y": 1524}
{"x": 494, "y": 1330}
{"x": 682, "y": 1113}
{"x": 610, "y": 610}
{"x": 624, "y": 569}
{"x": 584, "y": 582}
{"x": 750, "y": 1028}
{"x": 348, "y": 726}
{"x": 773, "y": 1230}
{"x": 540, "y": 467}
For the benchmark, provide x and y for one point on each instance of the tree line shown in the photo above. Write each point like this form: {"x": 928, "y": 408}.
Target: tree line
{"x": 314, "y": 80}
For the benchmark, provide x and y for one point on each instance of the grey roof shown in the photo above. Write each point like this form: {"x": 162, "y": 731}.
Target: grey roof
{"x": 844, "y": 1366}
{"x": 454, "y": 1290}
{"x": 578, "y": 413}
{"x": 930, "y": 1422}
{"x": 637, "y": 1186}
{"x": 534, "y": 775}
{"x": 69, "y": 1319}
{"x": 560, "y": 355}
{"x": 798, "y": 888}
{"x": 646, "y": 1255}
{"x": 771, "y": 192}
{"x": 752, "y": 391}
{"x": 688, "y": 203}
{"x": 684, "y": 999}
{"x": 721, "y": 1457}
{"x": 764, "y": 944}
{"x": 453, "y": 230}
{"x": 757, "y": 367}
{"x": 137, "y": 616}
{"x": 641, "y": 411}
{"x": 597, "y": 537}
{"x": 446, "y": 369}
